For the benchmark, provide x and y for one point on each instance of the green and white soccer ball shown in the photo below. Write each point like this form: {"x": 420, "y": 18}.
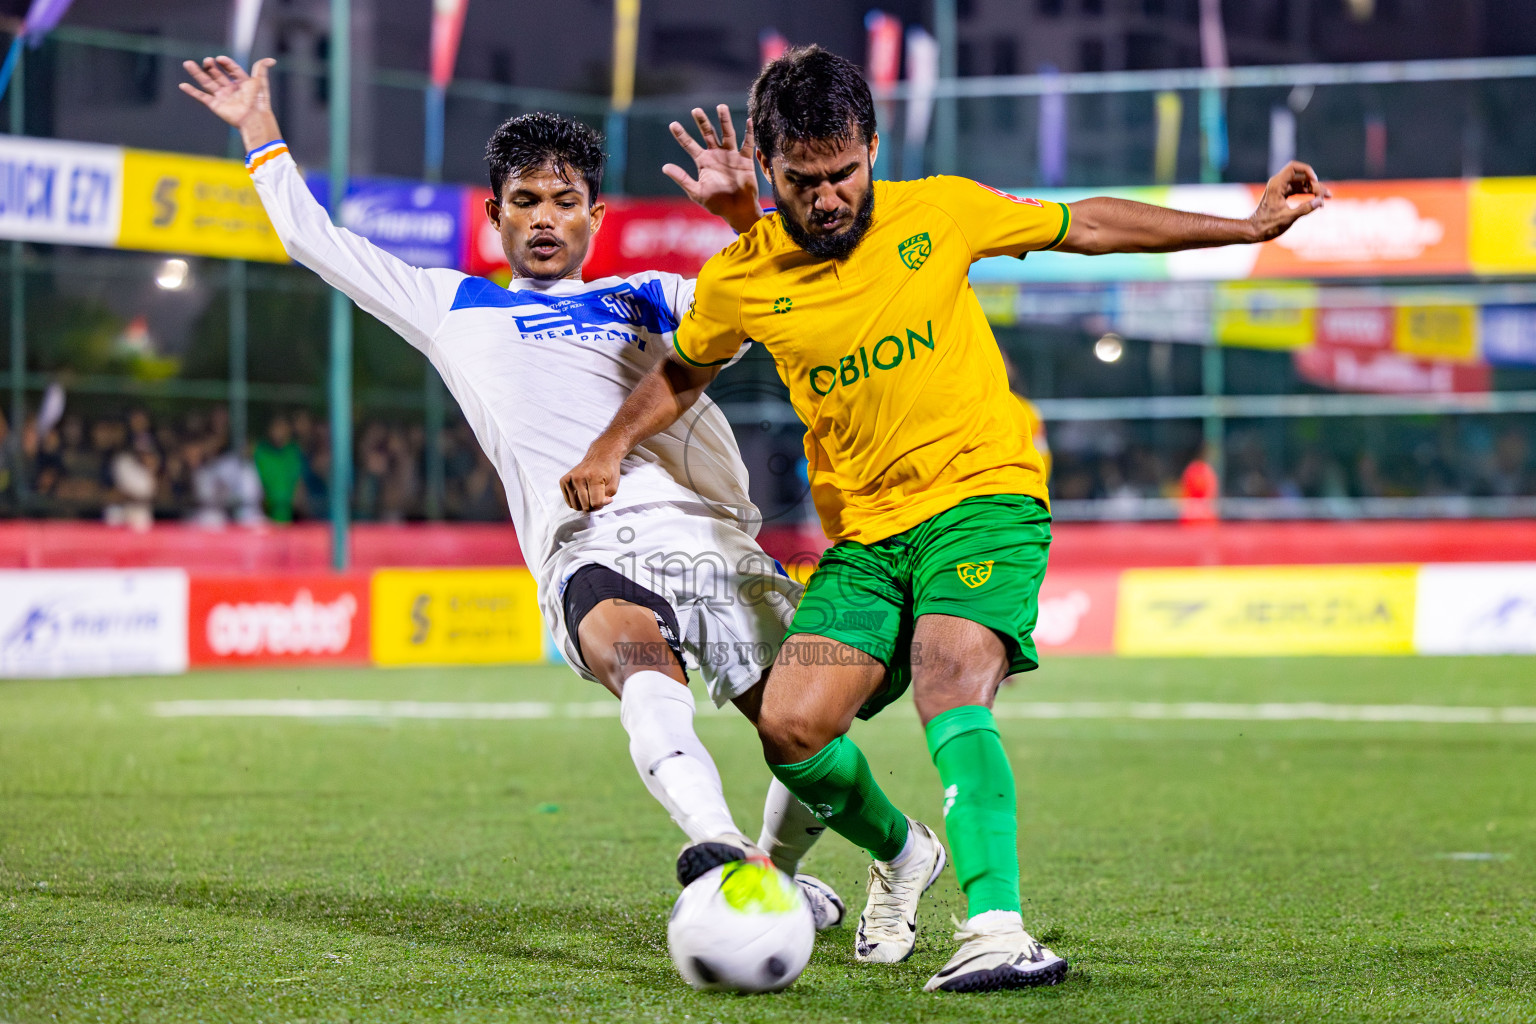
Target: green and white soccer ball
{"x": 741, "y": 927}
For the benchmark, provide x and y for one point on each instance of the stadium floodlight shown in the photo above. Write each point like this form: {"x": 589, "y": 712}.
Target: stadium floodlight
{"x": 1109, "y": 348}
{"x": 172, "y": 275}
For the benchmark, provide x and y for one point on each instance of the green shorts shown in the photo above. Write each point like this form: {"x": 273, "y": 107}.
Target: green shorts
{"x": 982, "y": 560}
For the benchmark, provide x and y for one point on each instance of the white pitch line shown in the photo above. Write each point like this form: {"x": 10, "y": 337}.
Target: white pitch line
{"x": 1302, "y": 712}
{"x": 382, "y": 709}
{"x": 1143, "y": 711}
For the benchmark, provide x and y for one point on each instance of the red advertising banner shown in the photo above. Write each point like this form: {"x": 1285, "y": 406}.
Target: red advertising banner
{"x": 1391, "y": 373}
{"x": 1077, "y": 612}
{"x": 266, "y": 620}
{"x": 674, "y": 236}
{"x": 671, "y": 235}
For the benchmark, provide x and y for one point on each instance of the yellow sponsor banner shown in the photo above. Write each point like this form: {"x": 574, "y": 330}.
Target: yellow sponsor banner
{"x": 1503, "y": 229}
{"x": 195, "y": 205}
{"x": 1445, "y": 333}
{"x": 1322, "y": 609}
{"x": 1278, "y": 316}
{"x": 997, "y": 302}
{"x": 455, "y": 617}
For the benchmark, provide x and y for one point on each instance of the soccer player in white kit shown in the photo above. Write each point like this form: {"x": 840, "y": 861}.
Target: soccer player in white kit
{"x": 670, "y": 569}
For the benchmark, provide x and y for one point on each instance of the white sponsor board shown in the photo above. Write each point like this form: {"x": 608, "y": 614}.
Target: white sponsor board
{"x": 69, "y": 192}
{"x": 1476, "y": 609}
{"x": 92, "y": 622}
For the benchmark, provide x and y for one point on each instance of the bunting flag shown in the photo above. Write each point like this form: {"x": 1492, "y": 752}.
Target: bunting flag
{"x": 882, "y": 62}
{"x": 922, "y": 77}
{"x": 42, "y": 16}
{"x": 1053, "y": 129}
{"x": 242, "y": 29}
{"x": 771, "y": 45}
{"x": 882, "y": 66}
{"x": 447, "y": 30}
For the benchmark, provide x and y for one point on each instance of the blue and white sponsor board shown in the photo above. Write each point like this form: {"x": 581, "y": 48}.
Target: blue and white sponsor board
{"x": 69, "y": 192}
{"x": 92, "y": 622}
{"x": 1509, "y": 335}
{"x": 421, "y": 224}
{"x": 1476, "y": 609}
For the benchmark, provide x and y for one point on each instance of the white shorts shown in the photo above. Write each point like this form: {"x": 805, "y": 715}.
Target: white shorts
{"x": 733, "y": 602}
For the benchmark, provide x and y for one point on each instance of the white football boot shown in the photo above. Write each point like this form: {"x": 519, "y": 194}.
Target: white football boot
{"x": 827, "y": 907}
{"x": 997, "y": 953}
{"x": 888, "y": 927}
{"x": 697, "y": 858}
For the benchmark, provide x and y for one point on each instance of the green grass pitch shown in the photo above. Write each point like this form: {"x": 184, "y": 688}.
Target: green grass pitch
{"x": 265, "y": 869}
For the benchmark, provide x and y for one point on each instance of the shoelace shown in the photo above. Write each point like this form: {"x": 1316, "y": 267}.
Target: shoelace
{"x": 886, "y": 912}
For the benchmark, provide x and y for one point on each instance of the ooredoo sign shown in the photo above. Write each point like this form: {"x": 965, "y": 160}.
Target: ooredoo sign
{"x": 235, "y": 620}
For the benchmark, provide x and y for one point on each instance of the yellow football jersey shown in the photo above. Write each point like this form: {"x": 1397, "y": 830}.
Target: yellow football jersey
{"x": 889, "y": 361}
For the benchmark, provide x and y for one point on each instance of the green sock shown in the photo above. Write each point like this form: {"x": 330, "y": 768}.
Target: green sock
{"x": 980, "y": 811}
{"x": 839, "y": 788}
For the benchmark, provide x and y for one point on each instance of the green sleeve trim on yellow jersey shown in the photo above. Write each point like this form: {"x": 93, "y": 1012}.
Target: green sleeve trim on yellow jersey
{"x": 1066, "y": 222}
{"x": 694, "y": 362}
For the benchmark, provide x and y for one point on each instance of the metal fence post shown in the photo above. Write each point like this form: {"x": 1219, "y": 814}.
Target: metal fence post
{"x": 340, "y": 95}
{"x": 18, "y": 307}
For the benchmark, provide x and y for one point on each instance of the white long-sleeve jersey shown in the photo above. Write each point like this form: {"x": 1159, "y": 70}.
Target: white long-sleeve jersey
{"x": 539, "y": 369}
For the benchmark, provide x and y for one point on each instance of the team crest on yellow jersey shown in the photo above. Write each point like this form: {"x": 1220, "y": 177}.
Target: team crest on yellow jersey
{"x": 914, "y": 252}
{"x": 974, "y": 574}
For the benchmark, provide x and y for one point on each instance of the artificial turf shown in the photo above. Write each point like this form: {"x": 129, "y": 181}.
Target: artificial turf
{"x": 263, "y": 869}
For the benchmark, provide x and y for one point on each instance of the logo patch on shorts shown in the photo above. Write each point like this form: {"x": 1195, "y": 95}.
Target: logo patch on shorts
{"x": 974, "y": 574}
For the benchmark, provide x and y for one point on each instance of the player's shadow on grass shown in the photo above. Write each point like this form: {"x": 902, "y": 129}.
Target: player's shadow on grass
{"x": 501, "y": 929}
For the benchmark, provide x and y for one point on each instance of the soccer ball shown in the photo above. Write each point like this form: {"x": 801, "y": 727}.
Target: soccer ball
{"x": 741, "y": 927}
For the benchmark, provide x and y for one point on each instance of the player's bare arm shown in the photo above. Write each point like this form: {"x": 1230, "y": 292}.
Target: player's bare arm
{"x": 1104, "y": 225}
{"x": 726, "y": 184}
{"x": 666, "y": 392}
{"x": 239, "y": 99}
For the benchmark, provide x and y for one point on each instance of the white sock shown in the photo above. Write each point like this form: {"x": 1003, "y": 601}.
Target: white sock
{"x": 657, "y": 712}
{"x": 789, "y": 828}
{"x": 908, "y": 849}
{"x": 997, "y": 921}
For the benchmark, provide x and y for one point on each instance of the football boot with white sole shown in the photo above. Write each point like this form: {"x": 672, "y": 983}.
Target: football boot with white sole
{"x": 888, "y": 927}
{"x": 698, "y": 858}
{"x": 827, "y": 907}
{"x": 994, "y": 955}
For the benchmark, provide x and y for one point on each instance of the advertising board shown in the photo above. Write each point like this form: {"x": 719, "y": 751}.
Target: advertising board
{"x": 250, "y": 620}
{"x": 455, "y": 617}
{"x": 92, "y": 622}
{"x": 1269, "y": 610}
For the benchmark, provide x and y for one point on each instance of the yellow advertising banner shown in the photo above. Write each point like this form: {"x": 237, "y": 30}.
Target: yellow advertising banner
{"x": 997, "y": 302}
{"x": 1283, "y": 610}
{"x": 1445, "y": 333}
{"x": 1277, "y": 316}
{"x": 195, "y": 205}
{"x": 1503, "y": 226}
{"x": 455, "y": 617}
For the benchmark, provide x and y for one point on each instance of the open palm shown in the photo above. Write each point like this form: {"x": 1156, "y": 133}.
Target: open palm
{"x": 727, "y": 174}
{"x": 224, "y": 88}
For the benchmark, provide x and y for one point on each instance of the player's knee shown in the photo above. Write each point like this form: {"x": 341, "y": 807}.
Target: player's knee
{"x": 790, "y": 736}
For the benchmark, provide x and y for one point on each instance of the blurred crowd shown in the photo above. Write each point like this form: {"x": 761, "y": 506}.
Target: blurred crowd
{"x": 133, "y": 468}
{"x": 1476, "y": 461}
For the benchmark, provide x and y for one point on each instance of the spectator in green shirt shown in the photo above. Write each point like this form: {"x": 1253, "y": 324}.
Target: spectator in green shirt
{"x": 280, "y": 465}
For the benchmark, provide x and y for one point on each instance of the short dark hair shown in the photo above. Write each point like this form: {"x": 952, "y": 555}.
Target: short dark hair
{"x": 810, "y": 95}
{"x": 531, "y": 142}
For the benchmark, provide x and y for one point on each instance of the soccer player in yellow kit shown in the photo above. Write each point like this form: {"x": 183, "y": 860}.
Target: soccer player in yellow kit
{"x": 921, "y": 470}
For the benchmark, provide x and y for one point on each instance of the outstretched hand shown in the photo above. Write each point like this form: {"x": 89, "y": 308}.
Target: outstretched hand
{"x": 239, "y": 99}
{"x": 1289, "y": 196}
{"x": 726, "y": 185}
